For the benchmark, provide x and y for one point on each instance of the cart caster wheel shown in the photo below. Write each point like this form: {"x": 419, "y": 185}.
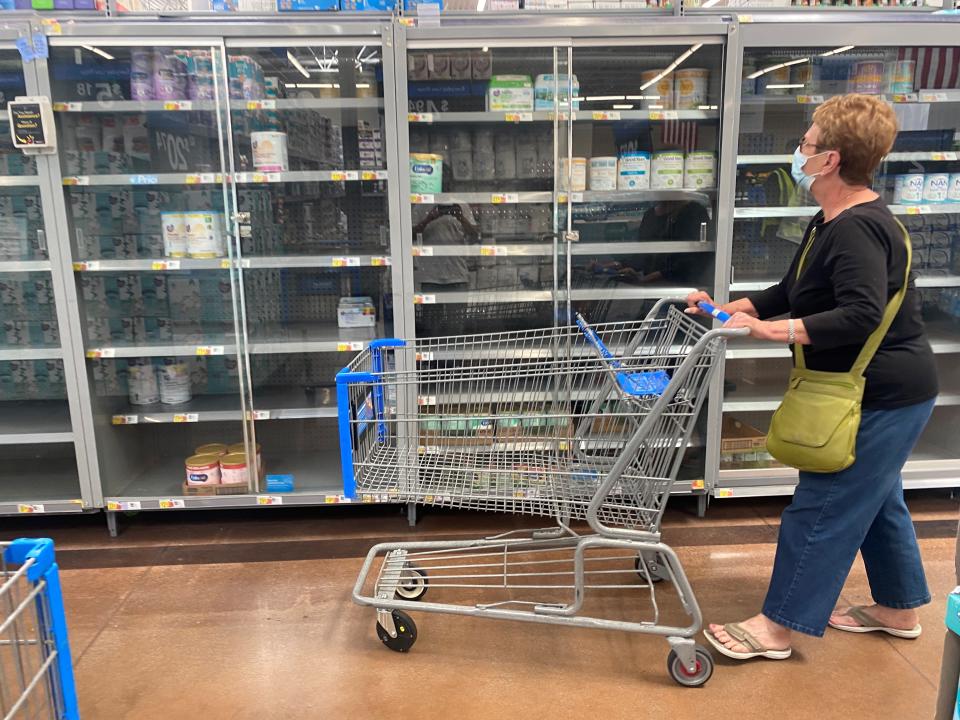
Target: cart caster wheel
{"x": 686, "y": 678}
{"x": 413, "y": 583}
{"x": 658, "y": 572}
{"x": 406, "y": 632}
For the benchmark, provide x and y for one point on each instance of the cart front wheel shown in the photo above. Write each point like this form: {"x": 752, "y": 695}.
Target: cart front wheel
{"x": 406, "y": 632}
{"x": 699, "y": 676}
{"x": 658, "y": 571}
{"x": 413, "y": 583}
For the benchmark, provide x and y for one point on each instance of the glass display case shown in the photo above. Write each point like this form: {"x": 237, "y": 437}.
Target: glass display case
{"x": 551, "y": 177}
{"x": 228, "y": 220}
{"x": 913, "y": 65}
{"x": 38, "y": 418}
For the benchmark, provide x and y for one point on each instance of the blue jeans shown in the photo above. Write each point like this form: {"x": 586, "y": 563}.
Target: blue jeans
{"x": 833, "y": 515}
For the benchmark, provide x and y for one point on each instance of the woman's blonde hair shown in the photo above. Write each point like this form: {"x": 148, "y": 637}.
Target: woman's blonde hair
{"x": 861, "y": 128}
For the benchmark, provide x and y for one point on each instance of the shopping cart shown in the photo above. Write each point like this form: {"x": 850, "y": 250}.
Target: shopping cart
{"x": 574, "y": 423}
{"x": 36, "y": 677}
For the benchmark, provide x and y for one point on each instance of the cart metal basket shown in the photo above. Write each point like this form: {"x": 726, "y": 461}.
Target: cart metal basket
{"x": 36, "y": 677}
{"x": 580, "y": 422}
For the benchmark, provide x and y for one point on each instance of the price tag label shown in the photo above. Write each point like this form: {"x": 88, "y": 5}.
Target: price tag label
{"x": 30, "y": 508}
{"x": 934, "y": 97}
{"x": 426, "y": 400}
{"x": 810, "y": 99}
{"x": 144, "y": 180}
{"x": 424, "y": 356}
{"x": 165, "y": 265}
{"x": 338, "y": 175}
{"x": 261, "y": 414}
{"x": 505, "y": 198}
{"x": 349, "y": 346}
{"x": 408, "y": 21}
{"x": 125, "y": 505}
{"x": 77, "y": 180}
{"x": 697, "y": 485}
{"x": 419, "y": 199}
{"x": 919, "y": 210}
{"x": 373, "y": 175}
{"x": 269, "y": 500}
{"x": 210, "y": 178}
{"x": 943, "y": 156}
{"x": 745, "y": 18}
{"x": 88, "y": 266}
{"x": 186, "y": 418}
{"x": 193, "y": 179}
{"x": 724, "y": 493}
{"x": 209, "y": 350}
{"x": 576, "y": 197}
{"x": 68, "y": 107}
{"x": 424, "y": 299}
{"x": 380, "y": 261}
{"x": 331, "y": 499}
{"x": 493, "y": 250}
{"x": 905, "y": 97}
{"x": 261, "y": 105}
{"x": 171, "y": 504}
{"x": 518, "y": 117}
{"x": 422, "y": 250}
{"x": 605, "y": 114}
{"x": 352, "y": 175}
{"x": 664, "y": 115}
{"x": 345, "y": 262}
{"x": 98, "y": 353}
{"x": 420, "y": 117}
{"x": 178, "y": 105}
{"x": 224, "y": 264}
{"x": 125, "y": 419}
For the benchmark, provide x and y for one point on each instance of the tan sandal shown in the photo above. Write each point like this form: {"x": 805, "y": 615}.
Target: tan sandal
{"x": 738, "y": 633}
{"x": 868, "y": 623}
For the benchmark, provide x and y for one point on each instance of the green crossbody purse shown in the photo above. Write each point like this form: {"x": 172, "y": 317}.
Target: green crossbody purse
{"x": 815, "y": 427}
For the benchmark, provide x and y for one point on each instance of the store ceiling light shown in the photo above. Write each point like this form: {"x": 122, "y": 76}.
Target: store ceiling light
{"x": 481, "y": 5}
{"x": 709, "y": 3}
{"x": 97, "y": 51}
{"x": 623, "y": 107}
{"x": 785, "y": 86}
{"x": 604, "y": 98}
{"x": 671, "y": 67}
{"x": 363, "y": 85}
{"x": 643, "y": 97}
{"x": 766, "y": 70}
{"x": 837, "y": 51}
{"x": 297, "y": 65}
{"x": 303, "y": 86}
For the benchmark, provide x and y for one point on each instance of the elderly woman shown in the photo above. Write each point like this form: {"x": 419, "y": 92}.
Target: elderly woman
{"x": 856, "y": 261}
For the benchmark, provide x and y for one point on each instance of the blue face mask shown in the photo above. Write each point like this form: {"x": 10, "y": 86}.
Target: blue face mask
{"x": 796, "y": 170}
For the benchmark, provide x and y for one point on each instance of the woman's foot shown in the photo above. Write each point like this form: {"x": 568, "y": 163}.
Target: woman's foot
{"x": 904, "y": 623}
{"x": 757, "y": 637}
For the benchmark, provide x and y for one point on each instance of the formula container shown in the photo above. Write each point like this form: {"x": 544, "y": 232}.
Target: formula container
{"x": 634, "y": 171}
{"x": 174, "y": 234}
{"x": 868, "y": 77}
{"x": 603, "y": 173}
{"x": 908, "y": 188}
{"x": 205, "y": 234}
{"x": 953, "y": 188}
{"x": 217, "y": 449}
{"x": 667, "y": 170}
{"x": 935, "y": 187}
{"x": 660, "y": 94}
{"x": 142, "y": 383}
{"x": 690, "y": 88}
{"x": 426, "y": 173}
{"x": 242, "y": 449}
{"x": 543, "y": 91}
{"x": 270, "y": 151}
{"x": 899, "y": 76}
{"x": 578, "y": 174}
{"x": 203, "y": 470}
{"x": 233, "y": 468}
{"x": 700, "y": 170}
{"x": 169, "y": 76}
{"x": 174, "y": 382}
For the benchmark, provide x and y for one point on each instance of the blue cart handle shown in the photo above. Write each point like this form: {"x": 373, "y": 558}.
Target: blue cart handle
{"x": 715, "y": 311}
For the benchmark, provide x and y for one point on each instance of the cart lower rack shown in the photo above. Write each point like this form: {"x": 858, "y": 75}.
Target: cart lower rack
{"x": 581, "y": 422}
{"x": 36, "y": 677}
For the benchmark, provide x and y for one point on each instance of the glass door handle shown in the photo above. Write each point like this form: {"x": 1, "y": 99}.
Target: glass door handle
{"x": 703, "y": 232}
{"x": 42, "y": 240}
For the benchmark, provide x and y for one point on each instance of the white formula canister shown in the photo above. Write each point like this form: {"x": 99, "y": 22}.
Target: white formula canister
{"x": 634, "y": 171}
{"x": 233, "y": 468}
{"x": 603, "y": 173}
{"x": 242, "y": 449}
{"x": 911, "y": 187}
{"x": 174, "y": 234}
{"x": 868, "y": 77}
{"x": 142, "y": 383}
{"x": 203, "y": 470}
{"x": 690, "y": 88}
{"x": 270, "y": 151}
{"x": 205, "y": 234}
{"x": 660, "y": 94}
{"x": 900, "y": 74}
{"x": 577, "y": 174}
{"x": 426, "y": 173}
{"x": 953, "y": 188}
{"x": 700, "y": 170}
{"x": 935, "y": 187}
{"x": 174, "y": 382}
{"x": 667, "y": 170}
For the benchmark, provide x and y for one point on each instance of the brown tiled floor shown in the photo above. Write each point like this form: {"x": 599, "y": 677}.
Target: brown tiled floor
{"x": 279, "y": 638}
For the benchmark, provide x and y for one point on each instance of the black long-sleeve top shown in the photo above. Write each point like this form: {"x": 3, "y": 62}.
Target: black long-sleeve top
{"x": 854, "y": 267}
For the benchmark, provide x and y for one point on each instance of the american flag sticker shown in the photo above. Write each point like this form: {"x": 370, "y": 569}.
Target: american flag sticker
{"x": 937, "y": 68}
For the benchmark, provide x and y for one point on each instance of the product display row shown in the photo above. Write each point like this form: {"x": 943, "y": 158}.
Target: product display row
{"x": 225, "y": 224}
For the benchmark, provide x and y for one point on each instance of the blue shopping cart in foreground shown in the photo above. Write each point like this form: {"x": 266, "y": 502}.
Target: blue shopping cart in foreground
{"x": 36, "y": 676}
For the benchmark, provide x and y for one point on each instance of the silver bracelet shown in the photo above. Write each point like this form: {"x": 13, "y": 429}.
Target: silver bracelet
{"x": 791, "y": 332}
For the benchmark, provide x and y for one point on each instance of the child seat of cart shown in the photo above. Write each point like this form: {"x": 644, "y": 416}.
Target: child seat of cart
{"x": 634, "y": 384}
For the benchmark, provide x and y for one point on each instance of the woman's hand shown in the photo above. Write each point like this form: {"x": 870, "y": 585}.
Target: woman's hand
{"x": 695, "y": 297}
{"x": 759, "y": 329}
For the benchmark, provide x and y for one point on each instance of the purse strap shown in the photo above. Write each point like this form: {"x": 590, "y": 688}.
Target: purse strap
{"x": 870, "y": 347}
